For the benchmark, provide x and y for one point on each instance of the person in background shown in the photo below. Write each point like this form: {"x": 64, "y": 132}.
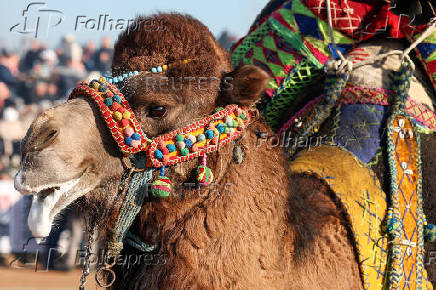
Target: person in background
{"x": 32, "y": 56}
{"x": 88, "y": 56}
{"x": 103, "y": 56}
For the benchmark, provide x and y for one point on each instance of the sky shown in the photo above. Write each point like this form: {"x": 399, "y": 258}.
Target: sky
{"x": 80, "y": 17}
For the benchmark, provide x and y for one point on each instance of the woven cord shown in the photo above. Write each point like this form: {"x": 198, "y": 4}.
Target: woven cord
{"x": 334, "y": 85}
{"x": 130, "y": 208}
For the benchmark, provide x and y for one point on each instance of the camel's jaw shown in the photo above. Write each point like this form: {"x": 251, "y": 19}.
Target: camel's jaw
{"x": 48, "y": 201}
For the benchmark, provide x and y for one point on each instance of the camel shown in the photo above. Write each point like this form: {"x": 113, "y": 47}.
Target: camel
{"x": 260, "y": 226}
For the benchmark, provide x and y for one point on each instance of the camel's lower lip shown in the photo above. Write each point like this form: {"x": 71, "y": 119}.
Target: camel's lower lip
{"x": 46, "y": 204}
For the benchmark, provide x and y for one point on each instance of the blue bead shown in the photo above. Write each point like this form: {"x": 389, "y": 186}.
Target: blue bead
{"x": 115, "y": 80}
{"x": 209, "y": 134}
{"x": 154, "y": 70}
{"x": 158, "y": 154}
{"x": 136, "y": 136}
{"x": 130, "y": 74}
{"x": 108, "y": 102}
{"x": 109, "y": 80}
{"x": 188, "y": 143}
{"x": 125, "y": 76}
{"x": 159, "y": 69}
{"x": 128, "y": 141}
{"x": 117, "y": 99}
{"x": 201, "y": 137}
{"x": 220, "y": 127}
{"x": 171, "y": 147}
{"x": 135, "y": 73}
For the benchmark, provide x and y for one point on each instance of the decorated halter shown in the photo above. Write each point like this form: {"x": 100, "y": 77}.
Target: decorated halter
{"x": 193, "y": 141}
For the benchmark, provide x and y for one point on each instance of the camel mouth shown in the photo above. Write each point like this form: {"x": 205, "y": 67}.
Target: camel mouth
{"x": 48, "y": 202}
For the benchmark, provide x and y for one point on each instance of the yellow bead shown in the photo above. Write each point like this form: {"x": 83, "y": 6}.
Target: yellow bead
{"x": 315, "y": 130}
{"x": 126, "y": 115}
{"x": 96, "y": 85}
{"x": 117, "y": 116}
{"x": 102, "y": 80}
{"x": 185, "y": 61}
{"x": 164, "y": 67}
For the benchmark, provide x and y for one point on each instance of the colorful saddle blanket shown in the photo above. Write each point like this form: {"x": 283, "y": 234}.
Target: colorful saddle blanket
{"x": 357, "y": 188}
{"x": 291, "y": 42}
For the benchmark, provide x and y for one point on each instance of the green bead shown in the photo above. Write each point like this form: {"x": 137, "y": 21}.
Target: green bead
{"x": 179, "y": 138}
{"x": 218, "y": 109}
{"x": 235, "y": 123}
{"x": 242, "y": 116}
{"x": 184, "y": 151}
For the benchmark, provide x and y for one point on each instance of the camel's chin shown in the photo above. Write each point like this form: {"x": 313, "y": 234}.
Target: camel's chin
{"x": 47, "y": 204}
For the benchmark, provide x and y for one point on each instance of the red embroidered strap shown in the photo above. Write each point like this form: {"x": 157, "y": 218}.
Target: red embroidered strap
{"x": 183, "y": 144}
{"x": 117, "y": 114}
{"x": 199, "y": 138}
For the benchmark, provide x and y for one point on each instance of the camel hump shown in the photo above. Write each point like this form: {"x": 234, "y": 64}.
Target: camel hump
{"x": 358, "y": 191}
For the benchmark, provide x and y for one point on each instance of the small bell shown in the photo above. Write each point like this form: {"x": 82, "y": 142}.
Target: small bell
{"x": 161, "y": 187}
{"x": 204, "y": 173}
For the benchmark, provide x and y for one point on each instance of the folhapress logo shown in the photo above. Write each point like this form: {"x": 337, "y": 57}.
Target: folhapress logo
{"x": 38, "y": 20}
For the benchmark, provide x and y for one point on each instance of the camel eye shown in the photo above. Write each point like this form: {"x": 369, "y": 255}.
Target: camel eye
{"x": 157, "y": 111}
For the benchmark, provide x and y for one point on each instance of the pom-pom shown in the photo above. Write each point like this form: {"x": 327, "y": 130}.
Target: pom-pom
{"x": 184, "y": 151}
{"x": 201, "y": 138}
{"x": 128, "y": 131}
{"x": 430, "y": 233}
{"x": 161, "y": 187}
{"x": 209, "y": 134}
{"x": 179, "y": 138}
{"x": 158, "y": 154}
{"x": 204, "y": 175}
{"x": 188, "y": 143}
{"x": 171, "y": 147}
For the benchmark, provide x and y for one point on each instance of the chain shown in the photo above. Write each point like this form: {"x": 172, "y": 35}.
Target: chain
{"x": 85, "y": 269}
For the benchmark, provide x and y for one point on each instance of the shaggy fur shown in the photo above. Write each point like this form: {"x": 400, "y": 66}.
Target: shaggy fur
{"x": 244, "y": 232}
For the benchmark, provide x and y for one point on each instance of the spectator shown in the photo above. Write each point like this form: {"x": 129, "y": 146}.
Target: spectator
{"x": 32, "y": 56}
{"x": 103, "y": 57}
{"x": 88, "y": 56}
{"x": 4, "y": 95}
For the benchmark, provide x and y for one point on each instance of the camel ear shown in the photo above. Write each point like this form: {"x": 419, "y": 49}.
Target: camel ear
{"x": 244, "y": 85}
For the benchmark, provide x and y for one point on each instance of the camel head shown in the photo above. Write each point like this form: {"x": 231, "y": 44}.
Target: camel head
{"x": 68, "y": 152}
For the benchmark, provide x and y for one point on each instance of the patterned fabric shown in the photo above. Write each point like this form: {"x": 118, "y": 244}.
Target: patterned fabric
{"x": 421, "y": 114}
{"x": 359, "y": 192}
{"x": 363, "y": 19}
{"x": 426, "y": 52}
{"x": 408, "y": 241}
{"x": 291, "y": 43}
{"x": 361, "y": 125}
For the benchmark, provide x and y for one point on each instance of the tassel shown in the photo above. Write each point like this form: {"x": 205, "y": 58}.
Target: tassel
{"x": 204, "y": 173}
{"x": 161, "y": 187}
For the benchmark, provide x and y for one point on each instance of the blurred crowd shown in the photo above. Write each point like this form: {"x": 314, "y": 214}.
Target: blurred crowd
{"x": 37, "y": 78}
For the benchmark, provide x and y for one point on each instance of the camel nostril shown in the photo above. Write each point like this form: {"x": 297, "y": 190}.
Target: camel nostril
{"x": 46, "y": 139}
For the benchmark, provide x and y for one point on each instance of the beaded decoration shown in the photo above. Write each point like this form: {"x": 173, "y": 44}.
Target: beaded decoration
{"x": 116, "y": 113}
{"x": 199, "y": 138}
{"x": 154, "y": 70}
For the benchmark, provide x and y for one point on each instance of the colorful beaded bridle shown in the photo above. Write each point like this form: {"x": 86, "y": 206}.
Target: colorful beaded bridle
{"x": 193, "y": 141}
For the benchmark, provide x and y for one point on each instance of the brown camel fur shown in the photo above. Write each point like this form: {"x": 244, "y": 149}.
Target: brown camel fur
{"x": 256, "y": 228}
